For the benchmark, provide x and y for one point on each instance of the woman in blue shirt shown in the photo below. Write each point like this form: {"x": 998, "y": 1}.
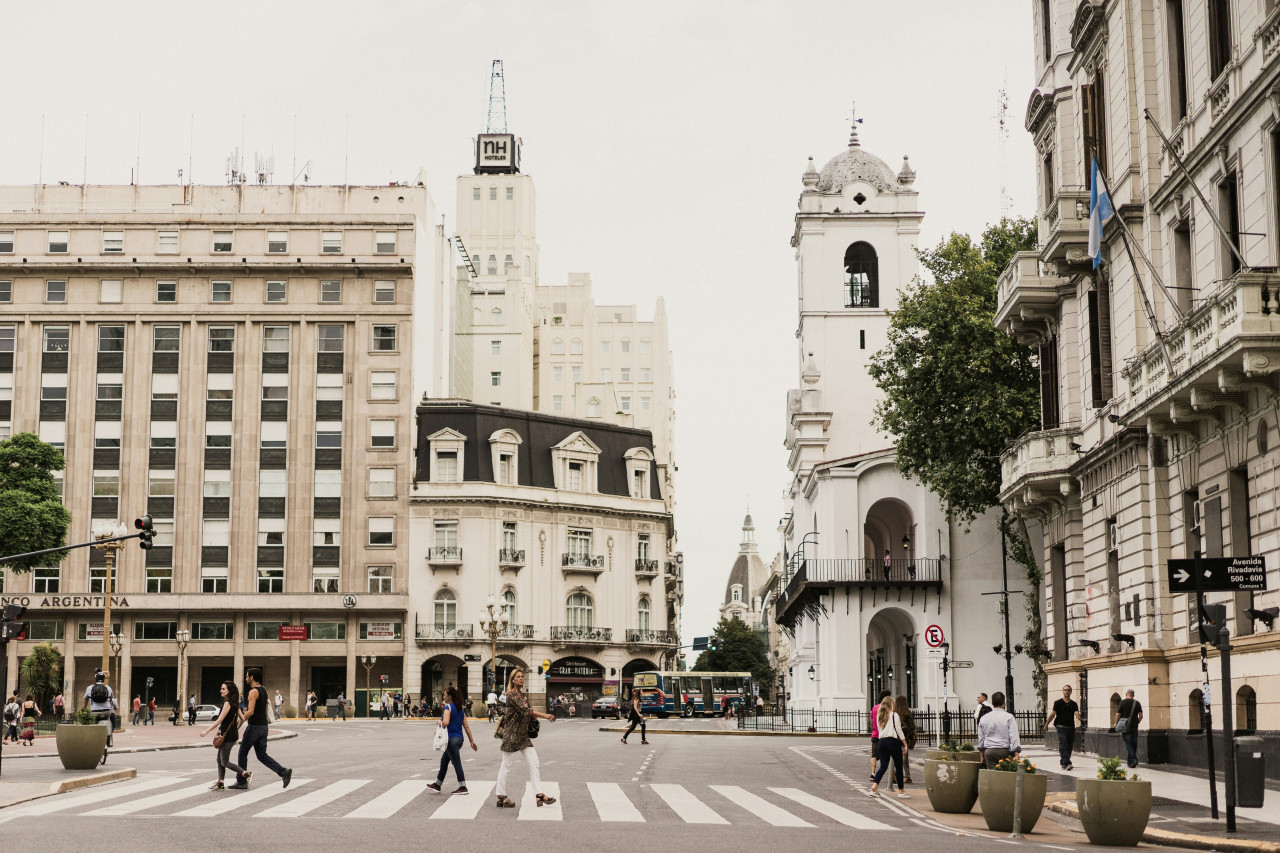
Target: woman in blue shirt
{"x": 455, "y": 720}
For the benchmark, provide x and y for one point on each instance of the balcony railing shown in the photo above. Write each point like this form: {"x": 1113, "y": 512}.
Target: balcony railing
{"x": 647, "y": 568}
{"x": 570, "y": 634}
{"x": 1026, "y": 295}
{"x": 447, "y": 554}
{"x": 510, "y": 557}
{"x": 590, "y": 562}
{"x": 921, "y": 572}
{"x": 1064, "y": 227}
{"x": 1038, "y": 463}
{"x": 446, "y": 634}
{"x": 643, "y": 636}
{"x": 517, "y": 632}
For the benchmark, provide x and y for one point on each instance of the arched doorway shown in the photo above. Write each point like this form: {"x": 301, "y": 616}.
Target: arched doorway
{"x": 438, "y": 673}
{"x": 889, "y": 531}
{"x": 575, "y": 681}
{"x": 891, "y": 657}
{"x": 629, "y": 671}
{"x": 507, "y": 664}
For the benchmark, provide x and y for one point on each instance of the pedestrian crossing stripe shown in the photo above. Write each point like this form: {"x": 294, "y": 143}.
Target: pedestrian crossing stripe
{"x": 612, "y": 802}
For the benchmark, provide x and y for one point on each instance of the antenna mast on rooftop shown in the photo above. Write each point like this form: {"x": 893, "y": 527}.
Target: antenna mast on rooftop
{"x": 1004, "y": 139}
{"x": 497, "y": 100}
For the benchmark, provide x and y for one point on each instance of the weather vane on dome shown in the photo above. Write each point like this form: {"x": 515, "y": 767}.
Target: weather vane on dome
{"x": 853, "y": 133}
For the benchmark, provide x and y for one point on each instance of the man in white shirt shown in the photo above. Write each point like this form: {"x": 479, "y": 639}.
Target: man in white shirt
{"x": 981, "y": 709}
{"x": 279, "y": 704}
{"x": 997, "y": 734}
{"x": 492, "y": 702}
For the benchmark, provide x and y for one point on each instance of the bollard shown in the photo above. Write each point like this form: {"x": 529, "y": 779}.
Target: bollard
{"x": 1017, "y": 801}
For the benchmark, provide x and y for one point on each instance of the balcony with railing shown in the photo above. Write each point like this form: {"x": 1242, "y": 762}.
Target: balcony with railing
{"x": 573, "y": 634}
{"x": 646, "y": 637}
{"x": 510, "y": 558}
{"x": 1064, "y": 227}
{"x": 1219, "y": 348}
{"x": 646, "y": 568}
{"x": 1026, "y": 296}
{"x": 1036, "y": 468}
{"x": 587, "y": 564}
{"x": 444, "y": 555}
{"x": 430, "y": 634}
{"x": 806, "y": 579}
{"x": 516, "y": 633}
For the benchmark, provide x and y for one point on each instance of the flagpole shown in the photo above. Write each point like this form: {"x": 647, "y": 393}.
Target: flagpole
{"x": 1146, "y": 303}
{"x": 1208, "y": 208}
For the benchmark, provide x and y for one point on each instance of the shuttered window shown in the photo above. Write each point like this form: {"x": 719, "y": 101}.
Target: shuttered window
{"x": 1100, "y": 343}
{"x": 1049, "y": 384}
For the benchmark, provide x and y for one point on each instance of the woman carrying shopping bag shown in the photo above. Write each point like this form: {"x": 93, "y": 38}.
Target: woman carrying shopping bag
{"x": 453, "y": 722}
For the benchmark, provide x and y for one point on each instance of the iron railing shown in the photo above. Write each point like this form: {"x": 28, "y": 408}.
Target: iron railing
{"x": 511, "y": 557}
{"x": 647, "y": 567}
{"x": 957, "y": 724}
{"x": 864, "y": 571}
{"x": 445, "y": 554}
{"x": 644, "y": 636}
{"x": 582, "y": 561}
{"x": 445, "y": 634}
{"x": 572, "y": 634}
{"x": 517, "y": 632}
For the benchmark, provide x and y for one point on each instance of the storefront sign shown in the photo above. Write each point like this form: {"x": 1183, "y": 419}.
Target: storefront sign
{"x": 93, "y": 631}
{"x": 293, "y": 632}
{"x": 380, "y": 631}
{"x": 576, "y": 668}
{"x": 95, "y": 601}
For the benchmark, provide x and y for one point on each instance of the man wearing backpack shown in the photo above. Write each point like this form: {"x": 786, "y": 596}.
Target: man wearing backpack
{"x": 100, "y": 700}
{"x": 11, "y": 709}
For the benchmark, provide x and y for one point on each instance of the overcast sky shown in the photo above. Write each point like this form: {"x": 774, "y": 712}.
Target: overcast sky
{"x": 666, "y": 141}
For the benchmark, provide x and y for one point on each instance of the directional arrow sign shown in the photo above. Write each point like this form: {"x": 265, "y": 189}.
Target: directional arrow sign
{"x": 959, "y": 664}
{"x": 1219, "y": 574}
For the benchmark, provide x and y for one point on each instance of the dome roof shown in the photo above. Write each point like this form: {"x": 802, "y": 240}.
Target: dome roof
{"x": 854, "y": 164}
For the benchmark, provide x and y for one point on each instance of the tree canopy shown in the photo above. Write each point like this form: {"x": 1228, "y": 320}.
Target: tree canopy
{"x": 32, "y": 516}
{"x": 739, "y": 649}
{"x": 956, "y": 389}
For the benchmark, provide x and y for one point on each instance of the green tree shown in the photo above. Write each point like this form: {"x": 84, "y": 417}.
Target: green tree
{"x": 957, "y": 389}
{"x": 32, "y": 516}
{"x": 42, "y": 673}
{"x": 738, "y": 649}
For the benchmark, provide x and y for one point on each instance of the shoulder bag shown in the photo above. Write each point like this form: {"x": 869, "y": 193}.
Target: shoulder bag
{"x": 441, "y": 739}
{"x": 1123, "y": 725}
{"x": 535, "y": 725}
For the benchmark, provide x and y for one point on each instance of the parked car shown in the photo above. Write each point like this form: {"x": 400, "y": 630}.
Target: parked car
{"x": 606, "y": 706}
{"x": 207, "y": 713}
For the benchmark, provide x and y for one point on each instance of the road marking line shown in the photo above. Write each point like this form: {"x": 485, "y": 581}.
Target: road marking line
{"x": 237, "y": 800}
{"x": 315, "y": 799}
{"x": 831, "y": 810}
{"x": 152, "y": 801}
{"x": 529, "y": 803}
{"x": 761, "y": 808}
{"x": 686, "y": 805}
{"x": 390, "y": 802}
{"x": 464, "y": 808}
{"x": 63, "y": 802}
{"x": 612, "y": 804}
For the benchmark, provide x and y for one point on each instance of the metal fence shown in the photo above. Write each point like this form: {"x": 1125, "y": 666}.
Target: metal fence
{"x": 957, "y": 724}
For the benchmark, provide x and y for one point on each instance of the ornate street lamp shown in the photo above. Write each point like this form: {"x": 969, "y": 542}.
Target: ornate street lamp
{"x": 493, "y": 623}
{"x": 368, "y": 661}
{"x": 117, "y": 643}
{"x": 109, "y": 530}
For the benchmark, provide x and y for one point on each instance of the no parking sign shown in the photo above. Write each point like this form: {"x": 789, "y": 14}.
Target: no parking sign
{"x": 934, "y": 636}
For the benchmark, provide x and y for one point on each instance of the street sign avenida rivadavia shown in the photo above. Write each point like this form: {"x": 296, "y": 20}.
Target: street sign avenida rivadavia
{"x": 1219, "y": 574}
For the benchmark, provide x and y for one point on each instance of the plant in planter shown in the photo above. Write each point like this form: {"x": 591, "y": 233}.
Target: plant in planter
{"x": 951, "y": 781}
{"x": 954, "y": 750}
{"x": 1115, "y": 807}
{"x": 996, "y": 794}
{"x": 81, "y": 741}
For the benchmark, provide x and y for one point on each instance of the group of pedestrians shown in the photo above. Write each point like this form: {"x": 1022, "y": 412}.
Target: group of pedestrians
{"x": 21, "y": 714}
{"x": 1065, "y": 718}
{"x": 893, "y": 736}
{"x": 144, "y": 713}
{"x": 252, "y": 717}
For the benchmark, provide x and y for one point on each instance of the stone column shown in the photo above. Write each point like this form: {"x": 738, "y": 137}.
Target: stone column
{"x": 294, "y": 696}
{"x": 70, "y": 699}
{"x": 353, "y": 662}
{"x": 237, "y": 658}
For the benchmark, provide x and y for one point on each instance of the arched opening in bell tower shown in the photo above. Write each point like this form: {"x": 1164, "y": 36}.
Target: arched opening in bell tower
{"x": 862, "y": 276}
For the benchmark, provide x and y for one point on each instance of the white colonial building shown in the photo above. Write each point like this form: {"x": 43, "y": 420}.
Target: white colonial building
{"x": 874, "y": 569}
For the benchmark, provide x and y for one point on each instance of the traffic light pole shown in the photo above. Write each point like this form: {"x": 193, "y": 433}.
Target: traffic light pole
{"x": 13, "y": 557}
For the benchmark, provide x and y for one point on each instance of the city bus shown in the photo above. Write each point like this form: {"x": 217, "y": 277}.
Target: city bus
{"x": 689, "y": 693}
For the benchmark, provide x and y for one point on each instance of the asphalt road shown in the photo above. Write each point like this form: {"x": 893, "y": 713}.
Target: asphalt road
{"x": 363, "y": 782}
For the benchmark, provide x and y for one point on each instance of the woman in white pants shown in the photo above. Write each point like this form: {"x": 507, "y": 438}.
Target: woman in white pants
{"x": 515, "y": 741}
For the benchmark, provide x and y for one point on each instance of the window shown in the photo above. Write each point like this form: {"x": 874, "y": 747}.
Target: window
{"x": 626, "y": 345}
{"x": 56, "y": 389}
{"x": 159, "y": 579}
{"x": 508, "y": 536}
{"x": 475, "y": 193}
{"x": 446, "y": 610}
{"x": 382, "y": 482}
{"x": 511, "y": 193}
{"x": 164, "y": 435}
{"x": 329, "y": 386}
{"x": 384, "y": 338}
{"x": 646, "y": 375}
{"x": 495, "y": 317}
{"x": 495, "y": 379}
{"x": 112, "y": 242}
{"x": 98, "y": 580}
{"x": 557, "y": 347}
{"x": 384, "y": 291}
{"x": 272, "y": 483}
{"x": 273, "y": 435}
{"x": 1177, "y": 40}
{"x": 575, "y": 374}
{"x": 579, "y": 543}
{"x": 329, "y": 435}
{"x": 507, "y": 262}
{"x": 216, "y": 440}
{"x": 52, "y": 629}
{"x": 55, "y": 291}
{"x": 382, "y": 384}
{"x": 557, "y": 374}
{"x": 6, "y": 291}
{"x": 384, "y": 242}
{"x": 579, "y": 611}
{"x": 106, "y": 435}
{"x": 625, "y": 374}
{"x": 642, "y": 613}
{"x": 861, "y": 282}
{"x": 8, "y": 338}
{"x": 642, "y": 547}
{"x": 217, "y": 484}
{"x": 1220, "y": 39}
{"x": 644, "y": 347}
{"x": 625, "y": 403}
{"x": 380, "y": 579}
{"x": 277, "y": 242}
{"x": 215, "y": 533}
{"x": 222, "y": 241}
{"x": 575, "y": 347}
{"x": 166, "y": 291}
{"x": 220, "y": 291}
{"x": 6, "y": 242}
{"x": 446, "y": 534}
{"x": 574, "y": 481}
{"x": 324, "y": 578}
{"x": 557, "y": 403}
{"x": 270, "y": 581}
{"x": 111, "y": 339}
{"x": 109, "y": 291}
{"x": 331, "y": 242}
{"x": 213, "y": 630}
{"x": 446, "y": 466}
{"x": 382, "y": 433}
{"x": 593, "y": 408}
{"x": 222, "y": 338}
{"x": 263, "y": 630}
{"x": 737, "y": 593}
{"x": 58, "y": 242}
{"x": 495, "y": 347}
{"x": 331, "y": 291}
{"x": 213, "y": 580}
{"x": 160, "y": 484}
{"x": 330, "y": 338}
{"x": 166, "y": 242}
{"x": 276, "y": 291}
{"x": 1100, "y": 343}
{"x": 1093, "y": 115}
{"x": 504, "y": 469}
{"x": 606, "y": 375}
{"x": 382, "y": 531}
{"x": 154, "y": 630}
{"x": 328, "y": 484}
{"x": 166, "y": 338}
{"x": 106, "y": 484}
{"x": 45, "y": 579}
{"x": 1229, "y": 213}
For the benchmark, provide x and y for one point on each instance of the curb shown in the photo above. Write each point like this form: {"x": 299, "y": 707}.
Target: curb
{"x": 89, "y": 781}
{"x": 1180, "y": 839}
{"x": 131, "y": 750}
{"x": 733, "y": 732}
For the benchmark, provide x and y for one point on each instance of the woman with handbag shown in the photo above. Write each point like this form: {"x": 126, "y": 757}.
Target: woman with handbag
{"x": 228, "y": 726}
{"x": 452, "y": 723}
{"x": 891, "y": 741}
{"x": 909, "y": 731}
{"x": 519, "y": 724}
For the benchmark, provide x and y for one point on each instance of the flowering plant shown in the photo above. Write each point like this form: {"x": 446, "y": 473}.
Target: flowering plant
{"x": 1109, "y": 770}
{"x": 1012, "y": 763}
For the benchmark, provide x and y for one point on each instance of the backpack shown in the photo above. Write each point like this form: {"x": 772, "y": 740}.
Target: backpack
{"x": 99, "y": 693}
{"x": 10, "y": 712}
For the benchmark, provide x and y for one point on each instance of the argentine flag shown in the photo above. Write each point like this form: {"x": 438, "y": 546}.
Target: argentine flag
{"x": 1099, "y": 210}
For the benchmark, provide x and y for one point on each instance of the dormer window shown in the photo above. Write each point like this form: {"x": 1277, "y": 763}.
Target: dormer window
{"x": 639, "y": 463}
{"x": 575, "y": 464}
{"x": 737, "y": 593}
{"x": 574, "y": 481}
{"x": 593, "y": 408}
{"x": 446, "y": 466}
{"x": 505, "y": 446}
{"x": 446, "y": 456}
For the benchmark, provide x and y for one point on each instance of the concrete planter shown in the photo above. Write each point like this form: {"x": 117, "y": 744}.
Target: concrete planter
{"x": 940, "y": 754}
{"x": 995, "y": 792}
{"x": 81, "y": 747}
{"x": 1114, "y": 814}
{"x": 952, "y": 786}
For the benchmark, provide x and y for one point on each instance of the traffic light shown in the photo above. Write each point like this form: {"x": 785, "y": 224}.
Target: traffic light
{"x": 713, "y": 644}
{"x": 148, "y": 532}
{"x": 10, "y": 627}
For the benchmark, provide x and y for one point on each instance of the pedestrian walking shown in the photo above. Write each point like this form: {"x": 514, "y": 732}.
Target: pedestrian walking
{"x": 1065, "y": 716}
{"x": 980, "y": 710}
{"x": 909, "y": 734}
{"x": 997, "y": 734}
{"x": 279, "y": 704}
{"x": 342, "y": 706}
{"x": 1128, "y": 716}
{"x": 875, "y": 733}
{"x": 454, "y": 721}
{"x": 516, "y": 722}
{"x": 398, "y": 705}
{"x": 228, "y": 726}
{"x": 311, "y": 706}
{"x": 255, "y": 733}
{"x": 29, "y": 714}
{"x": 137, "y": 710}
{"x": 636, "y": 717}
{"x": 191, "y": 710}
{"x": 888, "y": 564}
{"x": 177, "y": 711}
{"x": 59, "y": 706}
{"x": 892, "y": 739}
{"x": 386, "y": 706}
{"x": 151, "y": 711}
{"x": 11, "y": 711}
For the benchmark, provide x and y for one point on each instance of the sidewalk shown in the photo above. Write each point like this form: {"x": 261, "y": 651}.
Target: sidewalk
{"x": 155, "y": 738}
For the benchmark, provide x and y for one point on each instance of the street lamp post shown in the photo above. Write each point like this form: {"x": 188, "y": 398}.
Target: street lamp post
{"x": 493, "y": 622}
{"x": 368, "y": 661}
{"x": 183, "y": 637}
{"x": 110, "y": 530}
{"x": 117, "y": 643}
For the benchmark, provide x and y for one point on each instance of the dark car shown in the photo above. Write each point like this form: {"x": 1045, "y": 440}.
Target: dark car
{"x": 606, "y": 706}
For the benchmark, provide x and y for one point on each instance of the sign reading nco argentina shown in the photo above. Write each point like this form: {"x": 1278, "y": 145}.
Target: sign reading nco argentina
{"x": 93, "y": 601}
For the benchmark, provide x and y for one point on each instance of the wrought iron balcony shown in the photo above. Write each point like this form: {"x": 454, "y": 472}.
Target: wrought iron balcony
{"x": 516, "y": 632}
{"x": 645, "y": 637}
{"x": 647, "y": 568}
{"x": 510, "y": 557}
{"x": 444, "y": 555}
{"x": 581, "y": 564}
{"x": 1027, "y": 297}
{"x": 809, "y": 578}
{"x": 448, "y": 634}
{"x": 570, "y": 634}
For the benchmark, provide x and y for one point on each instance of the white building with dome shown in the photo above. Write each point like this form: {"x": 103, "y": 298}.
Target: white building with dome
{"x": 747, "y": 578}
{"x": 873, "y": 569}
